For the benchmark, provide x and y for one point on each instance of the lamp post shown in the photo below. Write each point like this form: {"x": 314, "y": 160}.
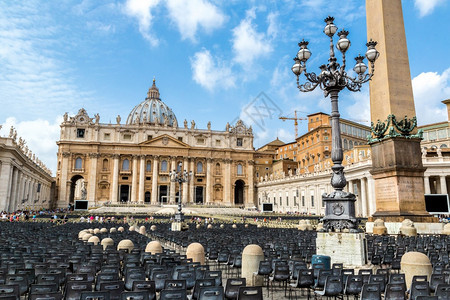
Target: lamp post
{"x": 179, "y": 176}
{"x": 333, "y": 78}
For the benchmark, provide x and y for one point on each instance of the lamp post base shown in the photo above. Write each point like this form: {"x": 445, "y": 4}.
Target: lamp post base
{"x": 339, "y": 212}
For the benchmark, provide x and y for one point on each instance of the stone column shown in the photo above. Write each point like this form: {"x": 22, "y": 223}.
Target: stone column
{"x": 12, "y": 192}
{"x": 134, "y": 176}
{"x": 185, "y": 184}
{"x": 115, "y": 180}
{"x": 142, "y": 179}
{"x": 251, "y": 186}
{"x": 63, "y": 197}
{"x": 363, "y": 197}
{"x": 426, "y": 181}
{"x": 227, "y": 182}
{"x": 192, "y": 180}
{"x": 208, "y": 191}
{"x": 18, "y": 189}
{"x": 443, "y": 184}
{"x": 92, "y": 185}
{"x": 372, "y": 201}
{"x": 396, "y": 160}
{"x": 173, "y": 185}
{"x": 155, "y": 175}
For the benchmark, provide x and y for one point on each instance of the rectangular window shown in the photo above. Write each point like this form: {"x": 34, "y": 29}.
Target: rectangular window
{"x": 442, "y": 134}
{"x": 124, "y": 178}
{"x": 38, "y": 188}
{"x": 180, "y": 138}
{"x": 127, "y": 137}
{"x": 107, "y": 136}
{"x": 312, "y": 200}
{"x": 239, "y": 142}
{"x": 80, "y": 133}
{"x": 303, "y": 200}
{"x": 200, "y": 141}
{"x": 287, "y": 201}
{"x": 149, "y": 137}
{"x": 217, "y": 142}
{"x": 431, "y": 135}
{"x": 148, "y": 178}
{"x": 295, "y": 201}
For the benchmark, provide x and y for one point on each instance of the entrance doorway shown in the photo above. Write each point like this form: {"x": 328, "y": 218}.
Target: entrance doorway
{"x": 147, "y": 197}
{"x": 239, "y": 192}
{"x": 199, "y": 195}
{"x": 124, "y": 193}
{"x": 163, "y": 193}
{"x": 76, "y": 184}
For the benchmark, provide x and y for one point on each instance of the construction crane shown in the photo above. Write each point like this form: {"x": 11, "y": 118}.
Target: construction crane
{"x": 295, "y": 121}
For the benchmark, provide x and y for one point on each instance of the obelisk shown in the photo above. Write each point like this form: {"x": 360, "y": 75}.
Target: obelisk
{"x": 395, "y": 141}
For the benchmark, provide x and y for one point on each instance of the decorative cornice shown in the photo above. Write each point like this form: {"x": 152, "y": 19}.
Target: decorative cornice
{"x": 94, "y": 155}
{"x": 66, "y": 154}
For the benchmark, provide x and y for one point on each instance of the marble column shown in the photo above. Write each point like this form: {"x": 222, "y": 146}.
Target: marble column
{"x": 185, "y": 184}
{"x": 227, "y": 182}
{"x": 173, "y": 184}
{"x": 115, "y": 180}
{"x": 251, "y": 189}
{"x": 155, "y": 175}
{"x": 18, "y": 189}
{"x": 92, "y": 177}
{"x": 192, "y": 180}
{"x": 10, "y": 203}
{"x": 371, "y": 199}
{"x": 426, "y": 181}
{"x": 208, "y": 191}
{"x": 443, "y": 184}
{"x": 363, "y": 197}
{"x": 134, "y": 177}
{"x": 142, "y": 179}
{"x": 63, "y": 197}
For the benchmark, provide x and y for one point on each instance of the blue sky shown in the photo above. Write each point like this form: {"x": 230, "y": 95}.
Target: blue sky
{"x": 213, "y": 61}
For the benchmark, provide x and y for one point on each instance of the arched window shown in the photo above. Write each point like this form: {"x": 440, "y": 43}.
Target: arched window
{"x": 105, "y": 164}
{"x": 199, "y": 167}
{"x": 164, "y": 166}
{"x": 350, "y": 144}
{"x": 239, "y": 169}
{"x": 148, "y": 167}
{"x": 78, "y": 163}
{"x": 345, "y": 144}
{"x": 179, "y": 165}
{"x": 444, "y": 146}
{"x": 125, "y": 165}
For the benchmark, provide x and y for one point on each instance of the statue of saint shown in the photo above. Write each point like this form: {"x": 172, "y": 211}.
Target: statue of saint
{"x": 66, "y": 116}
{"x": 185, "y": 124}
{"x": 192, "y": 124}
{"x": 118, "y": 119}
{"x": 83, "y": 191}
{"x": 209, "y": 125}
{"x": 97, "y": 118}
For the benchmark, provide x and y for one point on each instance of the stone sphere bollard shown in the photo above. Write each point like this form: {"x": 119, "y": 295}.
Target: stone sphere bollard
{"x": 107, "y": 242}
{"x": 259, "y": 226}
{"x": 86, "y": 237}
{"x": 209, "y": 226}
{"x": 234, "y": 226}
{"x": 408, "y": 228}
{"x": 154, "y": 247}
{"x": 112, "y": 230}
{"x": 251, "y": 256}
{"x": 142, "y": 230}
{"x": 302, "y": 225}
{"x": 94, "y": 239}
{"x": 81, "y": 233}
{"x": 415, "y": 263}
{"x": 198, "y": 226}
{"x": 222, "y": 226}
{"x": 153, "y": 227}
{"x": 120, "y": 229}
{"x": 246, "y": 225}
{"x": 103, "y": 230}
{"x": 446, "y": 229}
{"x": 96, "y": 231}
{"x": 196, "y": 252}
{"x": 132, "y": 228}
{"x": 91, "y": 231}
{"x": 379, "y": 228}
{"x": 125, "y": 245}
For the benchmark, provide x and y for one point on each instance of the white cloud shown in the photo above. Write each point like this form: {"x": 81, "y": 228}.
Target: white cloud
{"x": 190, "y": 15}
{"x": 430, "y": 89}
{"x": 142, "y": 11}
{"x": 248, "y": 43}
{"x": 426, "y": 7}
{"x": 211, "y": 72}
{"x": 40, "y": 136}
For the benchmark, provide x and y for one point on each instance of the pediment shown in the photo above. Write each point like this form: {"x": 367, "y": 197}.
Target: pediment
{"x": 165, "y": 141}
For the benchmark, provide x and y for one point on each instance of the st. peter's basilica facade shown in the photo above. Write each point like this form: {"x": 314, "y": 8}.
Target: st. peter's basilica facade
{"x": 123, "y": 163}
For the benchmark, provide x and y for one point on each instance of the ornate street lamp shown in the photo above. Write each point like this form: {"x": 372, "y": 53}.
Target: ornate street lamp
{"x": 339, "y": 205}
{"x": 179, "y": 176}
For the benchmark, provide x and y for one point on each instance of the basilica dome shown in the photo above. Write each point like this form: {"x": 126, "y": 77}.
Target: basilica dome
{"x": 152, "y": 111}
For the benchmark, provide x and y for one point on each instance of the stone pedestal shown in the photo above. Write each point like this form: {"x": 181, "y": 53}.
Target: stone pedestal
{"x": 196, "y": 252}
{"x": 346, "y": 248}
{"x": 415, "y": 263}
{"x": 422, "y": 228}
{"x": 251, "y": 256}
{"x": 179, "y": 226}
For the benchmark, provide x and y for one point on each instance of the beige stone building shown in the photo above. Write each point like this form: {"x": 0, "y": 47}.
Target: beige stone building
{"x": 25, "y": 182}
{"x": 131, "y": 161}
